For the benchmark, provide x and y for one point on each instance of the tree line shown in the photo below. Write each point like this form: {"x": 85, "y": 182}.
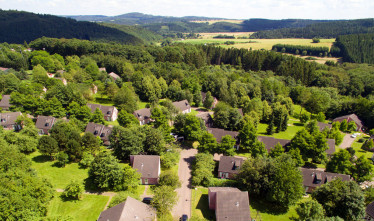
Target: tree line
{"x": 301, "y": 50}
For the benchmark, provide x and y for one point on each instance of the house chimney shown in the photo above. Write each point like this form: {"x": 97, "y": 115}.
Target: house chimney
{"x": 237, "y": 204}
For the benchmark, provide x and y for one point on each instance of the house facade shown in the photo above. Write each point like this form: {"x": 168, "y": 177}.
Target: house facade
{"x": 8, "y": 121}
{"x": 44, "y": 124}
{"x": 349, "y": 118}
{"x": 110, "y": 112}
{"x": 143, "y": 116}
{"x": 183, "y": 106}
{"x": 148, "y": 166}
{"x": 101, "y": 131}
{"x": 229, "y": 167}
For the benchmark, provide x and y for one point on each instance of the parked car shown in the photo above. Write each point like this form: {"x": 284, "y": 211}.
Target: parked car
{"x": 184, "y": 217}
{"x": 147, "y": 200}
{"x": 353, "y": 135}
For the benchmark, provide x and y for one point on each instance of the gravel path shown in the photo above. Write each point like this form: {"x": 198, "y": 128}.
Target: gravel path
{"x": 347, "y": 141}
{"x": 184, "y": 193}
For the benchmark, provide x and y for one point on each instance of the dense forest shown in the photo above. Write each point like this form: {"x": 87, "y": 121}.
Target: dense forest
{"x": 18, "y": 27}
{"x": 358, "y": 48}
{"x": 322, "y": 30}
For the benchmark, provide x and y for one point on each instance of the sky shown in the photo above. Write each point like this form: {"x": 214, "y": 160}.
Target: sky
{"x": 234, "y": 9}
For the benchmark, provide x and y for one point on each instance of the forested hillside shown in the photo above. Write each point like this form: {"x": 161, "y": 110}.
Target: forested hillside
{"x": 137, "y": 31}
{"x": 323, "y": 30}
{"x": 358, "y": 48}
{"x": 256, "y": 24}
{"x": 17, "y": 27}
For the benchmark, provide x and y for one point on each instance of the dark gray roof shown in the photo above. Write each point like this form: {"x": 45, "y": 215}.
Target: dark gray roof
{"x": 7, "y": 119}
{"x": 229, "y": 164}
{"x": 147, "y": 165}
{"x": 100, "y": 130}
{"x": 370, "y": 209}
{"x": 106, "y": 110}
{"x": 322, "y": 126}
{"x": 142, "y": 114}
{"x": 353, "y": 117}
{"x": 227, "y": 189}
{"x": 331, "y": 144}
{"x": 4, "y": 103}
{"x": 310, "y": 177}
{"x": 182, "y": 105}
{"x": 219, "y": 133}
{"x": 232, "y": 206}
{"x": 45, "y": 122}
{"x": 270, "y": 142}
{"x": 130, "y": 210}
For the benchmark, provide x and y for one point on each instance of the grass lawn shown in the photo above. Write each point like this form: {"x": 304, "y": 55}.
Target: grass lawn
{"x": 102, "y": 99}
{"x": 357, "y": 147}
{"x": 58, "y": 176}
{"x": 200, "y": 205}
{"x": 293, "y": 127}
{"x": 142, "y": 105}
{"x": 89, "y": 208}
{"x": 114, "y": 123}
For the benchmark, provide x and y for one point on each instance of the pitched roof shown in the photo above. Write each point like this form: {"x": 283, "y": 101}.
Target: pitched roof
{"x": 142, "y": 114}
{"x": 315, "y": 178}
{"x": 205, "y": 116}
{"x": 270, "y": 142}
{"x": 353, "y": 117}
{"x": 45, "y": 122}
{"x": 331, "y": 144}
{"x": 227, "y": 189}
{"x": 322, "y": 126}
{"x": 4, "y": 103}
{"x": 7, "y": 119}
{"x": 147, "y": 165}
{"x": 232, "y": 206}
{"x": 106, "y": 110}
{"x": 370, "y": 209}
{"x": 3, "y": 69}
{"x": 230, "y": 164}
{"x": 130, "y": 210}
{"x": 219, "y": 133}
{"x": 100, "y": 130}
{"x": 114, "y": 75}
{"x": 182, "y": 105}
{"x": 241, "y": 111}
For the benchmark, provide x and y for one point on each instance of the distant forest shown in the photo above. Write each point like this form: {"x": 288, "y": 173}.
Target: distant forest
{"x": 322, "y": 30}
{"x": 18, "y": 27}
{"x": 357, "y": 48}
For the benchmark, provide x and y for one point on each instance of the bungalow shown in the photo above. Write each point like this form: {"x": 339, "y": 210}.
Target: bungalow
{"x": 313, "y": 178}
{"x": 270, "y": 142}
{"x": 215, "y": 101}
{"x": 8, "y": 121}
{"x": 219, "y": 133}
{"x": 143, "y": 115}
{"x": 4, "y": 103}
{"x": 207, "y": 118}
{"x": 102, "y": 69}
{"x": 44, "y": 124}
{"x": 322, "y": 126}
{"x": 148, "y": 166}
{"x": 130, "y": 210}
{"x": 369, "y": 212}
{"x": 114, "y": 76}
{"x": 349, "y": 118}
{"x": 183, "y": 106}
{"x": 230, "y": 204}
{"x": 110, "y": 112}
{"x": 331, "y": 144}
{"x": 100, "y": 130}
{"x": 229, "y": 166}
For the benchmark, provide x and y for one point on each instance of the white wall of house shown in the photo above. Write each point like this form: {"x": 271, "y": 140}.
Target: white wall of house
{"x": 115, "y": 114}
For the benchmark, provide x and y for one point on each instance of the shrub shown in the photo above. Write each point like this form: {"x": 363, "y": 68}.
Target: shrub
{"x": 86, "y": 160}
{"x": 62, "y": 159}
{"x": 73, "y": 190}
{"x": 169, "y": 178}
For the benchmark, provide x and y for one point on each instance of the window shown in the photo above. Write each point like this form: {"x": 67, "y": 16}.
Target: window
{"x": 102, "y": 135}
{"x": 95, "y": 132}
{"x": 46, "y": 124}
{"x": 3, "y": 120}
{"x": 108, "y": 112}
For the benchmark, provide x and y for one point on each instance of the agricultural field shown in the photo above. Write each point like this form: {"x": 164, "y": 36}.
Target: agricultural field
{"x": 235, "y": 21}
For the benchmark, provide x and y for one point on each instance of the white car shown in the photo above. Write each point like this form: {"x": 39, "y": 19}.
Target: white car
{"x": 353, "y": 135}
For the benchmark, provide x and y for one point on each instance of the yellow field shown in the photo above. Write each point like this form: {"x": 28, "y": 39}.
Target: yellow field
{"x": 236, "y": 34}
{"x": 220, "y": 20}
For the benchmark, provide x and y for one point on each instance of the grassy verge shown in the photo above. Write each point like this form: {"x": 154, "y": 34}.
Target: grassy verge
{"x": 293, "y": 127}
{"x": 58, "y": 176}
{"x": 89, "y": 208}
{"x": 200, "y": 205}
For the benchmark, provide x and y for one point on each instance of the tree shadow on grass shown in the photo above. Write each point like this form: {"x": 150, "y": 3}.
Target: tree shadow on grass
{"x": 310, "y": 165}
{"x": 263, "y": 206}
{"x": 298, "y": 124}
{"x": 103, "y": 100}
{"x": 203, "y": 206}
{"x": 41, "y": 159}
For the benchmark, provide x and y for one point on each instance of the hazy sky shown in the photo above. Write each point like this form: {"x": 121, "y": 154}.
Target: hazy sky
{"x": 239, "y": 9}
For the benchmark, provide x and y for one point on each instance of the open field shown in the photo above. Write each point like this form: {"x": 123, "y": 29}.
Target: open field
{"x": 58, "y": 176}
{"x": 219, "y": 20}
{"x": 88, "y": 208}
{"x": 236, "y": 34}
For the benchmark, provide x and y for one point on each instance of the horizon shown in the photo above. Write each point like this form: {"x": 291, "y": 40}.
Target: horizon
{"x": 240, "y": 9}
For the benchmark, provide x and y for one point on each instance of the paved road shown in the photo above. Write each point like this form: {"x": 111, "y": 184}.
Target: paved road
{"x": 347, "y": 141}
{"x": 184, "y": 193}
